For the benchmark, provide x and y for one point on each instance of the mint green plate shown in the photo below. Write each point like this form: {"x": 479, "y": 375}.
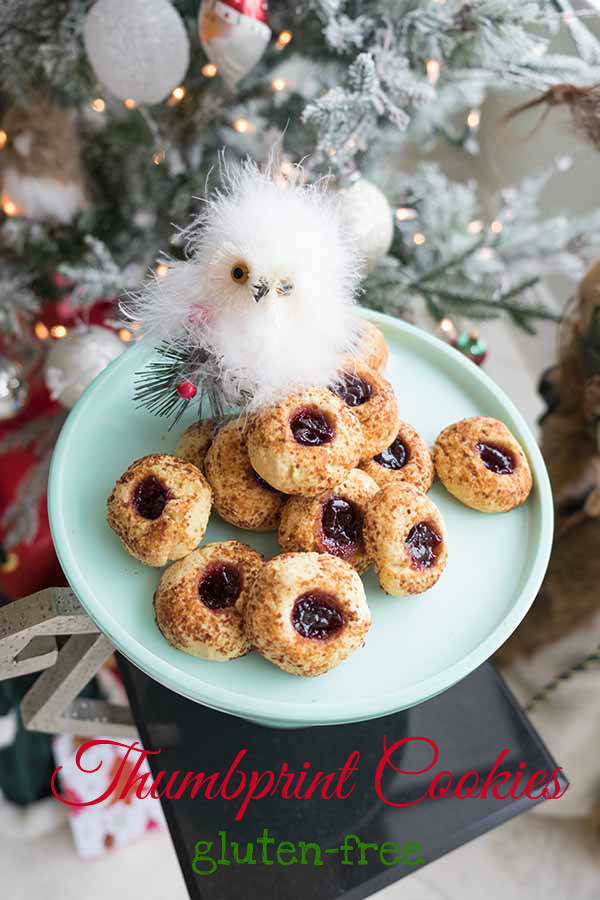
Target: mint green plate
{"x": 417, "y": 646}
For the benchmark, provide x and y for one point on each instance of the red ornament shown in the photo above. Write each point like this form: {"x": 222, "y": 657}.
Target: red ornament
{"x": 471, "y": 346}
{"x": 187, "y": 390}
{"x": 254, "y": 9}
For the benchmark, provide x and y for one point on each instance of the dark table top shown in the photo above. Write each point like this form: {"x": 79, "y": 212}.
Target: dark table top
{"x": 472, "y": 723}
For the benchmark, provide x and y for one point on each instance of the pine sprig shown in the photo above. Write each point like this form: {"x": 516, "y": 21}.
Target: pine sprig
{"x": 156, "y": 384}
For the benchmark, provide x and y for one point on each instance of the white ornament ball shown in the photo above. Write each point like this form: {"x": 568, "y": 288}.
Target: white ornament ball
{"x": 139, "y": 49}
{"x": 74, "y": 361}
{"x": 13, "y": 388}
{"x": 370, "y": 217}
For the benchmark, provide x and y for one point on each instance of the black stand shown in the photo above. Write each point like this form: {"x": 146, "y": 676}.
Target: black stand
{"x": 471, "y": 724}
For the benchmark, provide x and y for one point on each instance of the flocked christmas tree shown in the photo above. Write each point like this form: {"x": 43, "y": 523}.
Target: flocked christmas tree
{"x": 113, "y": 117}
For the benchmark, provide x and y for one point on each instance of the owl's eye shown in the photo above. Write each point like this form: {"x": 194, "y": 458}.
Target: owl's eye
{"x": 240, "y": 273}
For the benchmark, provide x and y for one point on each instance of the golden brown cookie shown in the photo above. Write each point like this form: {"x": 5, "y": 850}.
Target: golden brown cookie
{"x": 159, "y": 508}
{"x": 372, "y": 349}
{"x": 332, "y": 522}
{"x": 306, "y": 443}
{"x": 307, "y": 612}
{"x": 406, "y": 538}
{"x": 194, "y": 442}
{"x": 240, "y": 496}
{"x": 408, "y": 459}
{"x": 200, "y": 599}
{"x": 481, "y": 464}
{"x": 372, "y": 400}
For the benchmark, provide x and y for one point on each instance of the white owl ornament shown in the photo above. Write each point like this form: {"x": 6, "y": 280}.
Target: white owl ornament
{"x": 264, "y": 303}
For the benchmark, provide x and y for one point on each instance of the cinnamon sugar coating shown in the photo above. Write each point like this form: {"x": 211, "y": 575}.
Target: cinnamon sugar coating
{"x": 372, "y": 349}
{"x": 302, "y": 525}
{"x": 379, "y": 414}
{"x": 238, "y": 495}
{"x": 391, "y": 517}
{"x": 193, "y": 444}
{"x": 190, "y": 625}
{"x": 272, "y": 600}
{"x": 182, "y": 523}
{"x": 418, "y": 469}
{"x": 460, "y": 467}
{"x": 295, "y": 468}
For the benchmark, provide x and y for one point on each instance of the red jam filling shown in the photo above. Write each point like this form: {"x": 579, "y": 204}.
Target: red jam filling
{"x": 495, "y": 458}
{"x": 424, "y": 544}
{"x": 315, "y": 616}
{"x": 395, "y": 457}
{"x": 352, "y": 389}
{"x": 341, "y": 525}
{"x": 150, "y": 497}
{"x": 311, "y": 428}
{"x": 220, "y": 585}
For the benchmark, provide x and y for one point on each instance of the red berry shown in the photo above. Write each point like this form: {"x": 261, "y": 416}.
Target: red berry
{"x": 187, "y": 390}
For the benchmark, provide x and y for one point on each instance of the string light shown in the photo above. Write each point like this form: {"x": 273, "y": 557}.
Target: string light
{"x": 58, "y": 331}
{"x": 41, "y": 331}
{"x": 496, "y": 226}
{"x": 486, "y": 253}
{"x": 475, "y": 226}
{"x": 568, "y": 16}
{"x": 283, "y": 40}
{"x": 433, "y": 67}
{"x": 419, "y": 238}
{"x": 161, "y": 270}
{"x": 98, "y": 105}
{"x": 447, "y": 326}
{"x": 10, "y": 565}
{"x": 177, "y": 95}
{"x": 158, "y": 157}
{"x": 209, "y": 70}
{"x": 242, "y": 126}
{"x": 286, "y": 167}
{"x": 3, "y": 138}
{"x": 125, "y": 335}
{"x": 130, "y": 103}
{"x": 473, "y": 119}
{"x": 9, "y": 207}
{"x": 279, "y": 84}
{"x": 405, "y": 213}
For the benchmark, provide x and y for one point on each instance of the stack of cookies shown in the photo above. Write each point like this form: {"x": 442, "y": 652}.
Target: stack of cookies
{"x": 344, "y": 482}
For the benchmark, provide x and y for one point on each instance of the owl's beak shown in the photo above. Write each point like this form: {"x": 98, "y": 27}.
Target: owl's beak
{"x": 261, "y": 289}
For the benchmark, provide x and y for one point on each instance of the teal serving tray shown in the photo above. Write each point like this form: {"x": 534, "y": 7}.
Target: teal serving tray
{"x": 417, "y": 647}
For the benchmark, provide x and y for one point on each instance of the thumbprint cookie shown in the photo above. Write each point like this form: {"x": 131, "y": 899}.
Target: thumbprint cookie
{"x": 406, "y": 538}
{"x": 240, "y": 496}
{"x": 407, "y": 459}
{"x": 199, "y": 601}
{"x": 372, "y": 400}
{"x": 306, "y": 443}
{"x": 307, "y": 612}
{"x": 372, "y": 349}
{"x": 159, "y": 508}
{"x": 193, "y": 444}
{"x": 332, "y": 522}
{"x": 482, "y": 464}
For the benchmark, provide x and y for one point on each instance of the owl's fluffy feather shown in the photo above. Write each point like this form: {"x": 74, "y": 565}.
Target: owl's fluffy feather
{"x": 281, "y": 235}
